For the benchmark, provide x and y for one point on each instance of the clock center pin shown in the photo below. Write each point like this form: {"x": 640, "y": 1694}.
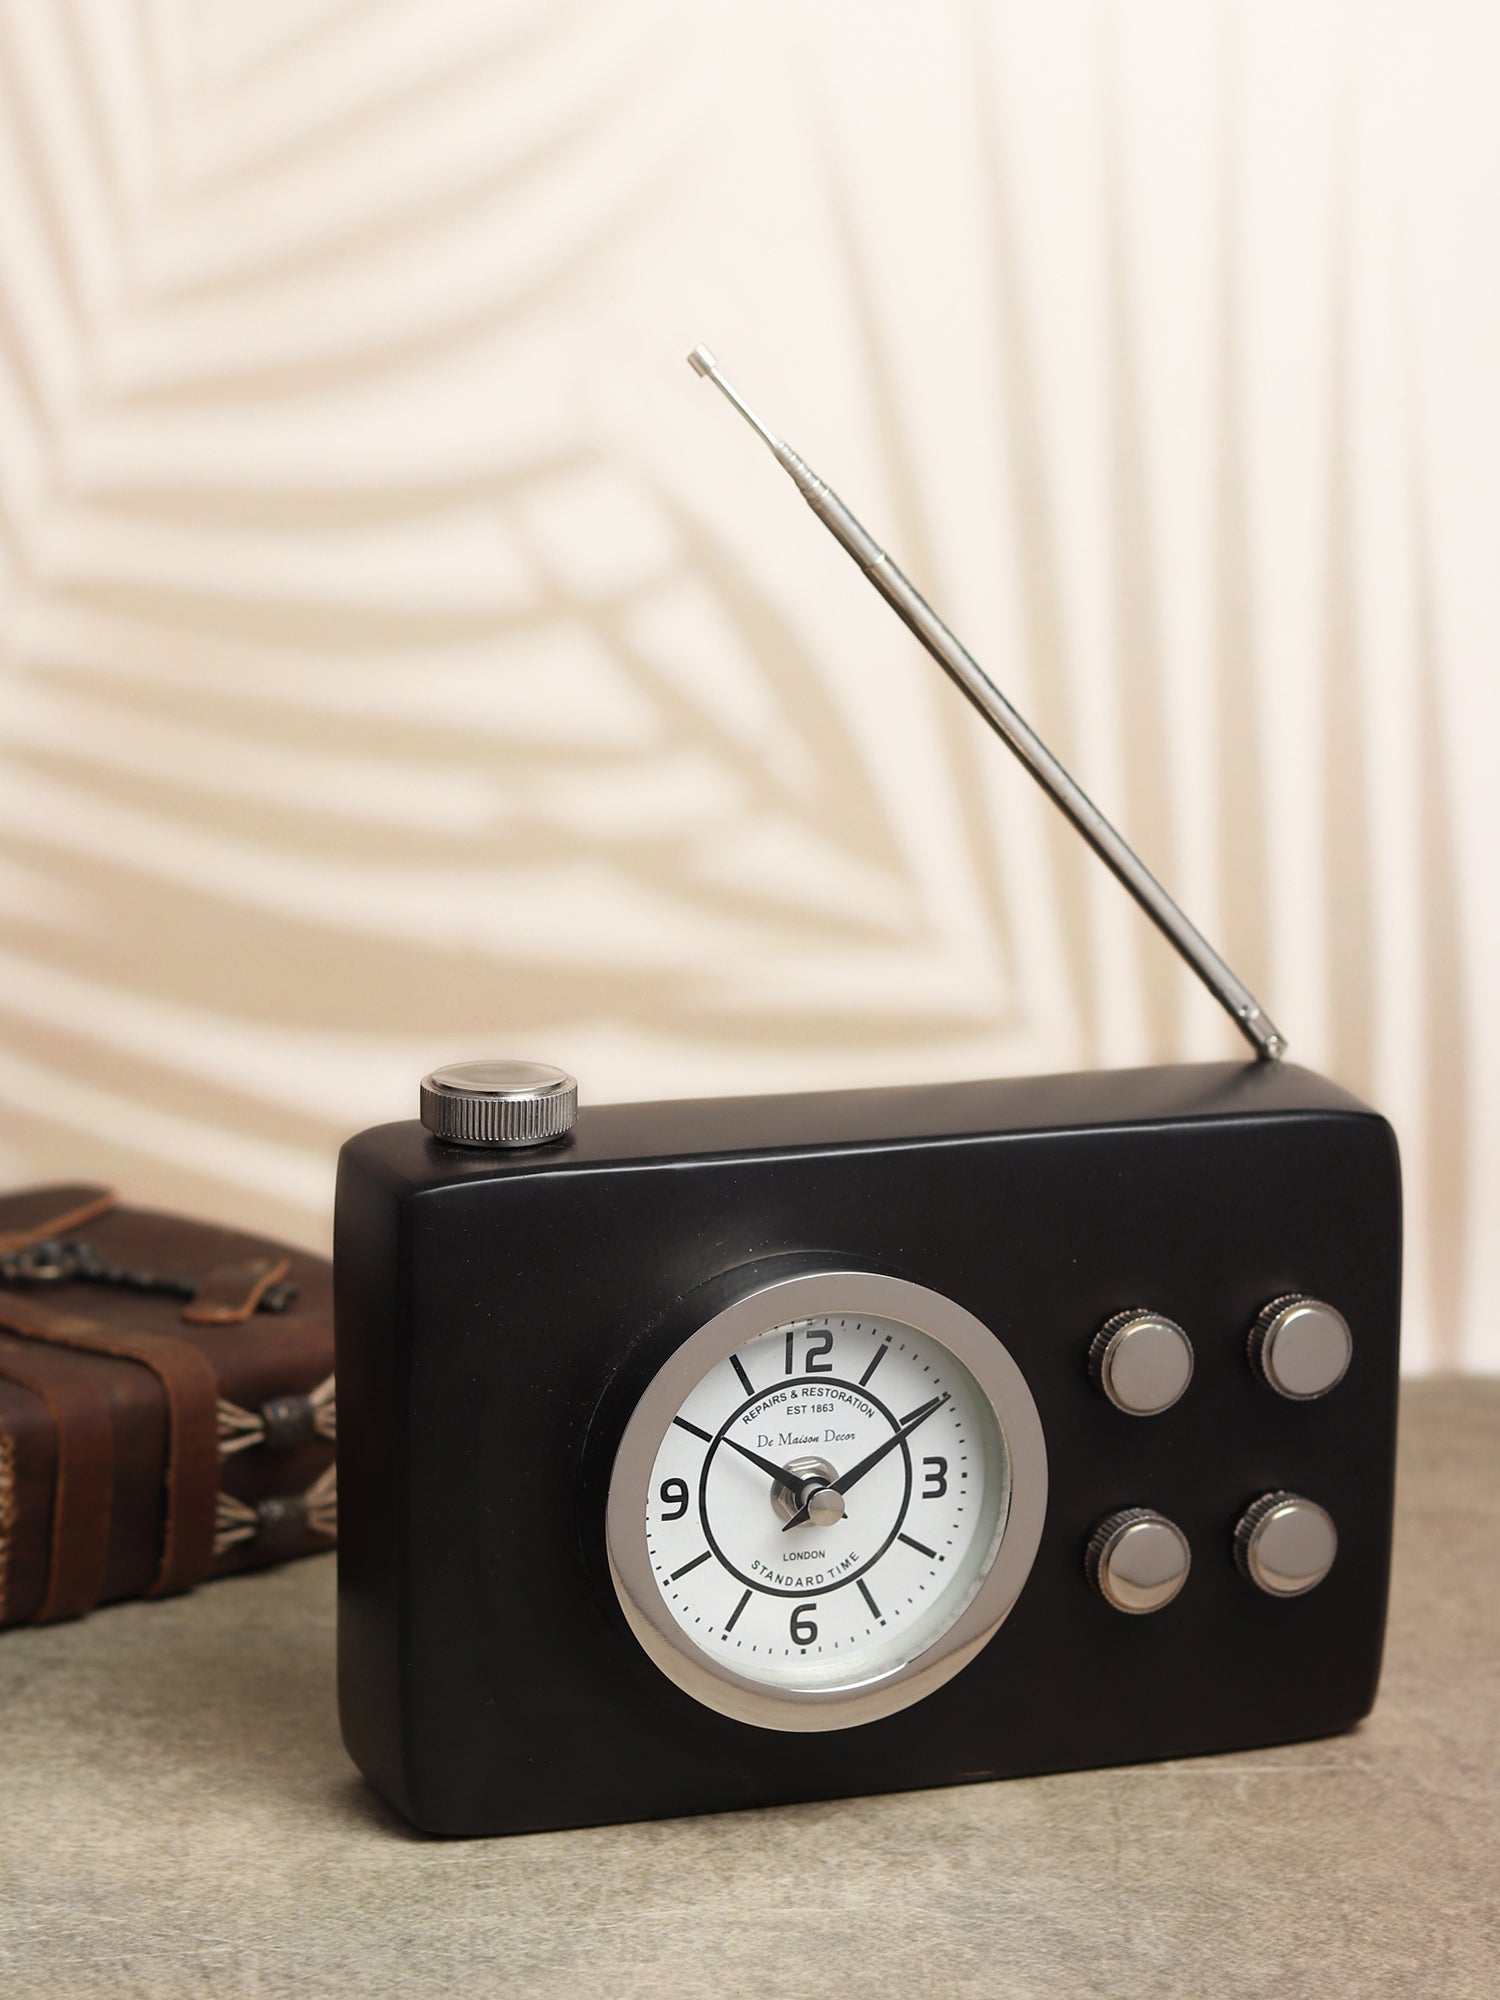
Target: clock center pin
{"x": 807, "y": 1485}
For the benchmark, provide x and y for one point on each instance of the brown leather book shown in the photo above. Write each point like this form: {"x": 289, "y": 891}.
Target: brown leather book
{"x": 166, "y": 1403}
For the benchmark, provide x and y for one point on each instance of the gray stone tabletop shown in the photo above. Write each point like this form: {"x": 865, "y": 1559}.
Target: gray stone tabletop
{"x": 178, "y": 1818}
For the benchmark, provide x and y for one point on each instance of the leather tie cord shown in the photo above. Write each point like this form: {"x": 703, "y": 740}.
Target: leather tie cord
{"x": 83, "y": 1482}
{"x": 191, "y": 1388}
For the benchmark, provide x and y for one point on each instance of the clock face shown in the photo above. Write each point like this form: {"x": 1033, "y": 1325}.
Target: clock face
{"x": 874, "y": 1429}
{"x": 825, "y": 1500}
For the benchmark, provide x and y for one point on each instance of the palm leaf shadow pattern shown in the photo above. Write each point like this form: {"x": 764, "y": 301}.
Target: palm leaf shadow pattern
{"x": 236, "y": 835}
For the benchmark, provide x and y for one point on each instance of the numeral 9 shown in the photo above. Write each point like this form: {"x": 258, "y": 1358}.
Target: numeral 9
{"x": 674, "y": 1494}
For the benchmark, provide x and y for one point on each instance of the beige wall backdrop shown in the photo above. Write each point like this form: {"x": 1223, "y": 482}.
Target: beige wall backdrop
{"x": 402, "y": 656}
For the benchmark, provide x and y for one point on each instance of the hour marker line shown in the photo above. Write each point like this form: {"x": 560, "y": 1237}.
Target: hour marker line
{"x": 739, "y": 1368}
{"x": 695, "y": 1562}
{"x": 734, "y": 1616}
{"x": 864, "y": 1591}
{"x": 880, "y": 1354}
{"x": 683, "y": 1424}
{"x": 920, "y": 1547}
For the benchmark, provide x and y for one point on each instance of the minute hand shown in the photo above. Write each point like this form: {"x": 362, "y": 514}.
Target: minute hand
{"x": 857, "y": 1472}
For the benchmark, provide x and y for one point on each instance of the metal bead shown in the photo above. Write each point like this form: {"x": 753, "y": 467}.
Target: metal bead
{"x": 282, "y": 1521}
{"x": 289, "y": 1421}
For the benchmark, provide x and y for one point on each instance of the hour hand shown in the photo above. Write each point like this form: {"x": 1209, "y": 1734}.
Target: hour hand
{"x": 772, "y": 1471}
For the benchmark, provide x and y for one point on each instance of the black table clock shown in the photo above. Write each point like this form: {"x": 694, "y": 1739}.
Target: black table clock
{"x": 730, "y": 1452}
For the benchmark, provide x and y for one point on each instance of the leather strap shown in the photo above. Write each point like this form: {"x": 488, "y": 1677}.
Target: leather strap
{"x": 231, "y": 1292}
{"x": 37, "y": 1213}
{"x": 7, "y": 1510}
{"x": 192, "y": 1392}
{"x": 83, "y": 1485}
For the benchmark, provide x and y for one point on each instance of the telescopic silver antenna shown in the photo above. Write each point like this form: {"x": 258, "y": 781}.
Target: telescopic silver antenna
{"x": 913, "y": 609}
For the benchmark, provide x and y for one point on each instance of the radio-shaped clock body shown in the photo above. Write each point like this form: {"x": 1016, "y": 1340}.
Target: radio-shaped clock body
{"x": 527, "y": 1336}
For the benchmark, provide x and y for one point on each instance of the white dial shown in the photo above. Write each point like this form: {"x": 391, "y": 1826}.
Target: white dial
{"x": 909, "y": 1453}
{"x": 824, "y": 1501}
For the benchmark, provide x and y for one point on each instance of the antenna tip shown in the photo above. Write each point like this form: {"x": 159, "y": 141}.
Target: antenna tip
{"x": 701, "y": 361}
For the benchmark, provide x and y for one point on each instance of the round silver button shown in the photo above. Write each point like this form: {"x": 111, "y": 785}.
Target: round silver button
{"x": 499, "y": 1103}
{"x": 1142, "y": 1360}
{"x": 1300, "y": 1347}
{"x": 1138, "y": 1560}
{"x": 1285, "y": 1544}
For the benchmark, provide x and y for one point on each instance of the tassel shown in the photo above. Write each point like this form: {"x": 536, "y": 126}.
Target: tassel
{"x": 238, "y": 1429}
{"x": 281, "y": 1423}
{"x": 234, "y": 1523}
{"x": 322, "y": 1502}
{"x": 282, "y": 1521}
{"x": 325, "y": 1409}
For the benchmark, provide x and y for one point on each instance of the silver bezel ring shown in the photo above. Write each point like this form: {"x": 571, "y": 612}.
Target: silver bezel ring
{"x": 773, "y": 1304}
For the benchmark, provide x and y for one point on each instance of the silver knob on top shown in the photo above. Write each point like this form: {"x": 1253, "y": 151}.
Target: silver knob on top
{"x": 499, "y": 1103}
{"x": 1285, "y": 1544}
{"x": 1137, "y": 1560}
{"x": 1142, "y": 1360}
{"x": 1300, "y": 1347}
